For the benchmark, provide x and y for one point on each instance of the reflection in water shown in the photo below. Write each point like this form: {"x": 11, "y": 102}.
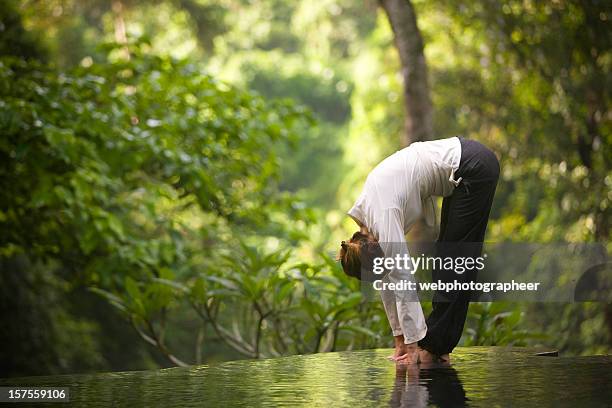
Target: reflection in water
{"x": 407, "y": 389}
{"x": 437, "y": 385}
{"x": 479, "y": 376}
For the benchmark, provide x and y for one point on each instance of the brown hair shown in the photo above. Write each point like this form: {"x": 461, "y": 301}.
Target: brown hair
{"x": 357, "y": 256}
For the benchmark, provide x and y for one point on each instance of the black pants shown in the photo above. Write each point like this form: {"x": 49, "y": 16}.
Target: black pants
{"x": 463, "y": 224}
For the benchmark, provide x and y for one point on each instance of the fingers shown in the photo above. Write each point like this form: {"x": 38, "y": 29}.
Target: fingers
{"x": 408, "y": 358}
{"x": 419, "y": 356}
{"x": 398, "y": 357}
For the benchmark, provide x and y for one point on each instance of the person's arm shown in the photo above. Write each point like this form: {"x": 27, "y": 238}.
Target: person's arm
{"x": 402, "y": 306}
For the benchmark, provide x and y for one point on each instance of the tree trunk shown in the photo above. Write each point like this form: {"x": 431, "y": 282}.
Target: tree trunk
{"x": 417, "y": 103}
{"x": 409, "y": 43}
{"x": 120, "y": 30}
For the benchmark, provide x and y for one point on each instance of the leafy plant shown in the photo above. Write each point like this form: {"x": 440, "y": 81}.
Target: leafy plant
{"x": 497, "y": 324}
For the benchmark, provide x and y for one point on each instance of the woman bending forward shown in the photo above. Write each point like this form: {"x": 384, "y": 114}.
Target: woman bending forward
{"x": 396, "y": 194}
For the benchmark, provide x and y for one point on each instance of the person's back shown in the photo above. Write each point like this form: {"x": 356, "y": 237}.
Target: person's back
{"x": 405, "y": 180}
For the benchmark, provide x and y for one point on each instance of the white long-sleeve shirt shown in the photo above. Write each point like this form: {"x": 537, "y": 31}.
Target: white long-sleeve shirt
{"x": 396, "y": 194}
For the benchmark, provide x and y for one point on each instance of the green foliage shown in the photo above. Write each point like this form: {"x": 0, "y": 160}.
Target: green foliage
{"x": 129, "y": 171}
{"x": 48, "y": 330}
{"x": 535, "y": 86}
{"x": 315, "y": 92}
{"x": 534, "y": 76}
{"x": 491, "y": 324}
{"x": 15, "y": 40}
{"x": 120, "y": 163}
{"x": 259, "y": 304}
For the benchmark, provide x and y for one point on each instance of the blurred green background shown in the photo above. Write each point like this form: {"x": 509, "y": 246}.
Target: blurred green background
{"x": 175, "y": 173}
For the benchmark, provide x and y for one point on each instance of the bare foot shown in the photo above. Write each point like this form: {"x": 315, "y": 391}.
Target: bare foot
{"x": 445, "y": 358}
{"x": 426, "y": 357}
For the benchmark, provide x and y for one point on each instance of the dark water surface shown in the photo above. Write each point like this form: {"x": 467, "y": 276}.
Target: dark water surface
{"x": 479, "y": 376}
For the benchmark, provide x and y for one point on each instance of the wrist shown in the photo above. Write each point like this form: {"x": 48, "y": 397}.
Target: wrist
{"x": 399, "y": 340}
